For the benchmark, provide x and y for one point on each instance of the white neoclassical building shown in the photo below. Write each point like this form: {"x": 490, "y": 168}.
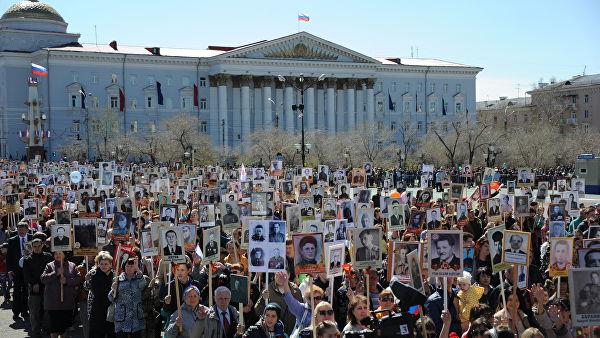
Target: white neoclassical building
{"x": 233, "y": 91}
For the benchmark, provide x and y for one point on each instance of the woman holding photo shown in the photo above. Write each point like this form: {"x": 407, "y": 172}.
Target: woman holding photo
{"x": 60, "y": 274}
{"x": 98, "y": 281}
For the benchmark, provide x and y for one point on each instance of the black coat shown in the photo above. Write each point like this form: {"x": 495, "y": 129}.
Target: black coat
{"x": 99, "y": 284}
{"x": 33, "y": 266}
{"x": 14, "y": 253}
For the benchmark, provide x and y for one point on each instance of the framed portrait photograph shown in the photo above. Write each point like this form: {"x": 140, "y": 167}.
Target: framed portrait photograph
{"x": 85, "y": 240}
{"x": 276, "y": 231}
{"x": 189, "y": 235}
{"x": 396, "y": 216}
{"x": 493, "y": 209}
{"x": 589, "y": 257}
{"x": 400, "y": 264}
{"x": 434, "y": 217}
{"x": 276, "y": 168}
{"x": 578, "y": 184}
{"x": 110, "y": 207}
{"x": 328, "y": 209}
{"x": 445, "y": 253}
{"x": 367, "y": 252}
{"x": 230, "y": 216}
{"x": 510, "y": 187}
{"x": 521, "y": 205}
{"x": 456, "y": 191}
{"x": 329, "y": 231}
{"x": 206, "y": 215}
{"x": 522, "y": 276}
{"x": 238, "y": 285}
{"x": 516, "y": 247}
{"x": 358, "y": 177}
{"x": 417, "y": 221}
{"x": 259, "y": 204}
{"x": 147, "y": 246}
{"x": 542, "y": 191}
{"x": 561, "y": 256}
{"x": 211, "y": 239}
{"x": 312, "y": 226}
{"x": 122, "y": 224}
{"x": 323, "y": 173}
{"x": 462, "y": 213}
{"x": 484, "y": 191}
{"x": 364, "y": 196}
{"x": 334, "y": 256}
{"x": 309, "y": 254}
{"x": 258, "y": 230}
{"x": 30, "y": 208}
{"x": 561, "y": 185}
{"x": 424, "y": 197}
{"x": 525, "y": 177}
{"x": 364, "y": 216}
{"x": 584, "y": 301}
{"x": 593, "y": 231}
{"x": 171, "y": 244}
{"x": 416, "y": 278}
{"x": 571, "y": 199}
{"x": 169, "y": 213}
{"x": 102, "y": 231}
{"x": 62, "y": 216}
{"x": 556, "y": 212}
{"x": 292, "y": 216}
{"x": 341, "y": 232}
{"x": 557, "y": 229}
{"x": 468, "y": 259}
{"x": 61, "y": 237}
{"x": 307, "y": 207}
{"x": 347, "y": 210}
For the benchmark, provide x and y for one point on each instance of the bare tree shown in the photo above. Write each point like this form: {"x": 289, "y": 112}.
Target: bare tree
{"x": 450, "y": 140}
{"x": 409, "y": 137}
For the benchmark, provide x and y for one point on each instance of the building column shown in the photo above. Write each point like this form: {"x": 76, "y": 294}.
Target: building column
{"x": 340, "y": 109}
{"x": 331, "y": 86}
{"x": 268, "y": 121}
{"x": 350, "y": 106}
{"x": 370, "y": 101}
{"x": 235, "y": 124}
{"x": 320, "y": 110}
{"x": 256, "y": 106}
{"x": 214, "y": 124}
{"x": 279, "y": 105}
{"x": 360, "y": 98}
{"x": 288, "y": 101}
{"x": 245, "y": 107}
{"x": 222, "y": 80}
{"x": 309, "y": 109}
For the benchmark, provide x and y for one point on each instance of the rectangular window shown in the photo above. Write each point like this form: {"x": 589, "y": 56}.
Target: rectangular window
{"x": 132, "y": 80}
{"x": 419, "y": 125}
{"x": 432, "y": 87}
{"x": 574, "y": 115}
{"x": 586, "y": 113}
{"x": 525, "y": 117}
{"x": 586, "y": 128}
{"x": 458, "y": 88}
{"x": 202, "y": 82}
{"x": 76, "y": 126}
{"x": 152, "y": 127}
{"x": 94, "y": 78}
{"x": 114, "y": 79}
{"x": 419, "y": 87}
{"x": 407, "y": 87}
{"x": 432, "y": 106}
{"x": 183, "y": 103}
{"x": 203, "y": 103}
{"x": 76, "y": 77}
{"x": 446, "y": 106}
{"x": 133, "y": 104}
{"x": 149, "y": 102}
{"x": 586, "y": 98}
{"x": 393, "y": 86}
{"x": 380, "y": 106}
{"x": 407, "y": 106}
{"x": 133, "y": 127}
{"x": 150, "y": 80}
{"x": 73, "y": 101}
{"x": 185, "y": 81}
{"x": 458, "y": 107}
{"x": 393, "y": 126}
{"x": 574, "y": 98}
{"x": 169, "y": 80}
{"x": 203, "y": 127}
{"x": 95, "y": 102}
{"x": 445, "y": 88}
{"x": 114, "y": 102}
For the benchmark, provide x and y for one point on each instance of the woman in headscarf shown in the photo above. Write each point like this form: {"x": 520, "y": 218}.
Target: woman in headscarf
{"x": 268, "y": 325}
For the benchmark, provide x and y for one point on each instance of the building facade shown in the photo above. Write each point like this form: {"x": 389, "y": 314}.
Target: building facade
{"x": 233, "y": 91}
{"x": 505, "y": 112}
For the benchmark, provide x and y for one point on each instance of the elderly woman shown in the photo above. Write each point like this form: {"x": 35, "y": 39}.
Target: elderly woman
{"x": 190, "y": 312}
{"x": 60, "y": 309}
{"x": 358, "y": 310}
{"x": 126, "y": 293}
{"x": 98, "y": 281}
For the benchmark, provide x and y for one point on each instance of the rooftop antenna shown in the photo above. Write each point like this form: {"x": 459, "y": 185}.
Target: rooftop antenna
{"x": 584, "y": 66}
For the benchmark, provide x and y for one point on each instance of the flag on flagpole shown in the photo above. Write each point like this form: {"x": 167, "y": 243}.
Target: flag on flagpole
{"x": 38, "y": 70}
{"x": 195, "y": 95}
{"x": 159, "y": 93}
{"x": 303, "y": 17}
{"x": 82, "y": 93}
{"x": 390, "y": 103}
{"x": 417, "y": 102}
{"x": 121, "y": 100}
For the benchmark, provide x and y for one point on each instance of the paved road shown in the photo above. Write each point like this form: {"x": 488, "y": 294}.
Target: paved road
{"x": 11, "y": 329}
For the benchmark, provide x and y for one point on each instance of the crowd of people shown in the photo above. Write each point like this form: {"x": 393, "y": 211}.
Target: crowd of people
{"x": 177, "y": 251}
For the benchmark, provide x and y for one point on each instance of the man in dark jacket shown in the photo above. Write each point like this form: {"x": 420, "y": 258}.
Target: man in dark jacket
{"x": 33, "y": 266}
{"x": 435, "y": 304}
{"x": 16, "y": 250}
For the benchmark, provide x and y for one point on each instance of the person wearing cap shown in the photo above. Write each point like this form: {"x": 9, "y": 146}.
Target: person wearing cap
{"x": 268, "y": 325}
{"x": 33, "y": 266}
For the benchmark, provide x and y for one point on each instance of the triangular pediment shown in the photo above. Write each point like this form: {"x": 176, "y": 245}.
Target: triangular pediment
{"x": 299, "y": 46}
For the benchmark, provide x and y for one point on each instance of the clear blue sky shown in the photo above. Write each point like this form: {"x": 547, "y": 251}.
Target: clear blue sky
{"x": 516, "y": 42}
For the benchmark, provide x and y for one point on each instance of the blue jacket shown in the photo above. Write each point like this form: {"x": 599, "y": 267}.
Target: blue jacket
{"x": 129, "y": 309}
{"x": 434, "y": 307}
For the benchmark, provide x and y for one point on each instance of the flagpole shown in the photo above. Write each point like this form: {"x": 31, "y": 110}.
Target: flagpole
{"x": 298, "y": 22}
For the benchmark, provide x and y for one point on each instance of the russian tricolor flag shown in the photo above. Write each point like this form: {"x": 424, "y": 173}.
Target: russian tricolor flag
{"x": 303, "y": 17}
{"x": 38, "y": 70}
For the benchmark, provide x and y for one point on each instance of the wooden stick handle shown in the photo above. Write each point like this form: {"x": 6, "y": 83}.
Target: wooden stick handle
{"x": 178, "y": 302}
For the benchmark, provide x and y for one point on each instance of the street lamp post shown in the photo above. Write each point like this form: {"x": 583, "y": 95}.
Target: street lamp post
{"x": 303, "y": 86}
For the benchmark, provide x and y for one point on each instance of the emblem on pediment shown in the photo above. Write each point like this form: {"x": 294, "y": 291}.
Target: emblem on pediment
{"x": 302, "y": 51}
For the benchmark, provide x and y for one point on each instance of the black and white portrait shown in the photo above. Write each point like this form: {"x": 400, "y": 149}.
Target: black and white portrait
{"x": 341, "y": 226}
{"x": 556, "y": 212}
{"x": 85, "y": 232}
{"x": 238, "y": 285}
{"x": 578, "y": 184}
{"x": 61, "y": 237}
{"x": 401, "y": 269}
{"x": 456, "y": 191}
{"x": 169, "y": 213}
{"x": 445, "y": 253}
{"x": 147, "y": 247}
{"x": 364, "y": 196}
{"x": 556, "y": 229}
{"x": 259, "y": 204}
{"x": 230, "y": 215}
{"x": 62, "y": 216}
{"x": 433, "y": 218}
{"x": 206, "y": 215}
{"x": 211, "y": 240}
{"x": 462, "y": 213}
{"x": 484, "y": 191}
{"x": 276, "y": 232}
{"x": 493, "y": 208}
{"x": 189, "y": 235}
{"x": 584, "y": 291}
{"x": 30, "y": 208}
{"x": 415, "y": 270}
{"x": 396, "y": 216}
{"x": 521, "y": 205}
{"x": 364, "y": 216}
{"x": 323, "y": 173}
{"x": 516, "y": 247}
{"x": 328, "y": 209}
{"x": 121, "y": 223}
{"x": 110, "y": 207}
{"x": 292, "y": 214}
{"x": 334, "y": 256}
{"x": 542, "y": 191}
{"x": 367, "y": 244}
{"x": 171, "y": 242}
{"x": 525, "y": 177}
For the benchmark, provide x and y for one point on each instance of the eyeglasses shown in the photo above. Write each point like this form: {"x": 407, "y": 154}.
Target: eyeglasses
{"x": 326, "y": 312}
{"x": 386, "y": 299}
